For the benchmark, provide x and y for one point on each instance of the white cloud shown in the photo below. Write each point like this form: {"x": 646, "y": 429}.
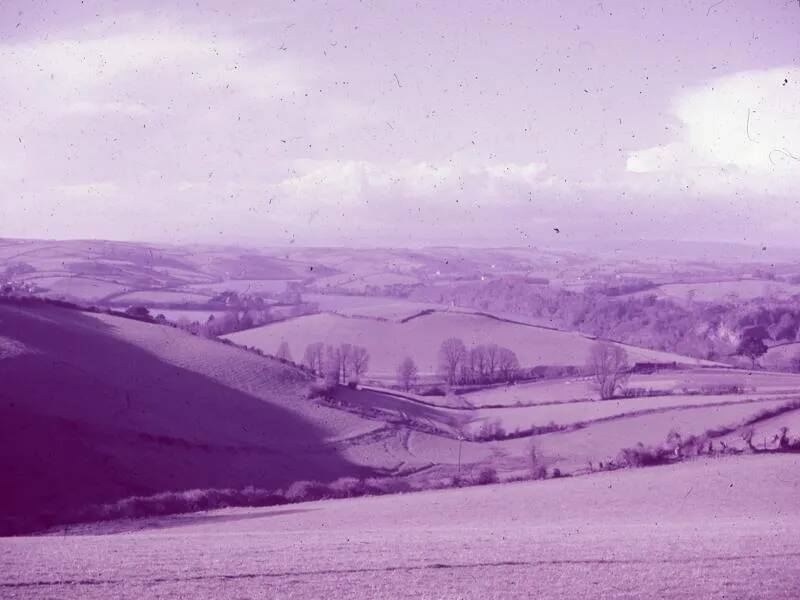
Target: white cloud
{"x": 350, "y": 180}
{"x": 119, "y": 72}
{"x": 738, "y": 133}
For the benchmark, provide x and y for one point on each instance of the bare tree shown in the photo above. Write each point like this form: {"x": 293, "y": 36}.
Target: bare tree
{"x": 477, "y": 362}
{"x": 314, "y": 357}
{"x": 283, "y": 352}
{"x": 507, "y": 364}
{"x": 407, "y": 373}
{"x": 452, "y": 354}
{"x": 491, "y": 355}
{"x": 345, "y": 353}
{"x": 608, "y": 366}
{"x": 359, "y": 360}
{"x": 333, "y": 364}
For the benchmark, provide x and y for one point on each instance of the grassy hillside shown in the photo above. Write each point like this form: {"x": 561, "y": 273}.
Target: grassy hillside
{"x": 389, "y": 342}
{"x": 704, "y": 529}
{"x": 95, "y": 407}
{"x": 100, "y": 271}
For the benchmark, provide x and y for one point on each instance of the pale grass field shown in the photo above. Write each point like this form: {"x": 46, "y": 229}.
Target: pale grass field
{"x": 162, "y": 297}
{"x": 376, "y": 307}
{"x": 716, "y": 529}
{"x": 715, "y": 291}
{"x": 243, "y": 286}
{"x": 82, "y": 289}
{"x": 513, "y": 418}
{"x": 421, "y": 338}
{"x": 573, "y": 450}
{"x": 575, "y": 388}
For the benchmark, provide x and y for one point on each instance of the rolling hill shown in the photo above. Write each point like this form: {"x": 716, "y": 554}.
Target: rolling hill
{"x": 420, "y": 338}
{"x": 95, "y": 407}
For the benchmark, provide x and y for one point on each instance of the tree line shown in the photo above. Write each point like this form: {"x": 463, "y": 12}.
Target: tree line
{"x": 484, "y": 363}
{"x": 337, "y": 364}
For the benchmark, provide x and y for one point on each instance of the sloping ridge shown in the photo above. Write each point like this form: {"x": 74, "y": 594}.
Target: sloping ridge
{"x": 422, "y": 336}
{"x": 94, "y": 408}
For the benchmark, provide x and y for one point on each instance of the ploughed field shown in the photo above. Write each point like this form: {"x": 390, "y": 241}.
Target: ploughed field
{"x": 712, "y": 528}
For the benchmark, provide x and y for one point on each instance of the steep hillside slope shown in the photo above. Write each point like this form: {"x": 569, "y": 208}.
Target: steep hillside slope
{"x": 95, "y": 407}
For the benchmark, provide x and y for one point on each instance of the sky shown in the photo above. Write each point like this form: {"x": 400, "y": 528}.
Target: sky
{"x": 400, "y": 123}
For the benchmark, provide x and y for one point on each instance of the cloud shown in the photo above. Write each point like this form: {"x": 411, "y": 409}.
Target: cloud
{"x": 737, "y": 133}
{"x": 126, "y": 71}
{"x": 360, "y": 179}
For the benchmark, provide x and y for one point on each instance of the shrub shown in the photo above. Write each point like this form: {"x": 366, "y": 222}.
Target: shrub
{"x": 308, "y": 491}
{"x": 434, "y": 390}
{"x": 348, "y": 487}
{"x": 322, "y": 389}
{"x": 491, "y": 430}
{"x": 714, "y": 389}
{"x": 643, "y": 456}
{"x": 642, "y": 392}
{"x": 486, "y": 476}
{"x": 386, "y": 485}
{"x": 538, "y": 472}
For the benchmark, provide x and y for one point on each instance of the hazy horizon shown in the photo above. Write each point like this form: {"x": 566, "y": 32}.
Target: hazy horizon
{"x": 364, "y": 125}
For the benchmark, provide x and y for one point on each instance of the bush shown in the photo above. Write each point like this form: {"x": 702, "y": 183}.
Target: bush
{"x": 538, "y": 472}
{"x": 322, "y": 389}
{"x": 491, "y": 430}
{"x": 434, "y": 390}
{"x": 642, "y": 392}
{"x": 386, "y": 485}
{"x": 722, "y": 388}
{"x": 486, "y": 476}
{"x": 348, "y": 487}
{"x": 308, "y": 491}
{"x": 643, "y": 456}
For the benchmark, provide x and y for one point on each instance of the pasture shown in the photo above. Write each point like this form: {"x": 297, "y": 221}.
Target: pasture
{"x": 158, "y": 297}
{"x": 726, "y": 290}
{"x": 704, "y": 529}
{"x": 521, "y": 418}
{"x": 389, "y": 343}
{"x": 680, "y": 381}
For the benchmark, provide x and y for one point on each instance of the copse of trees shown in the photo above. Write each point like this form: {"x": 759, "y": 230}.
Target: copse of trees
{"x": 608, "y": 366}
{"x": 232, "y": 320}
{"x": 314, "y": 357}
{"x": 452, "y": 354}
{"x": 336, "y": 363}
{"x": 484, "y": 363}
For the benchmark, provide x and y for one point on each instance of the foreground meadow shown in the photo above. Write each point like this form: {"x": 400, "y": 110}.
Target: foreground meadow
{"x": 717, "y": 528}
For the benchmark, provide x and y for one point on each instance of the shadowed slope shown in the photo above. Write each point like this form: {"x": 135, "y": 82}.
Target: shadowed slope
{"x": 94, "y": 408}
